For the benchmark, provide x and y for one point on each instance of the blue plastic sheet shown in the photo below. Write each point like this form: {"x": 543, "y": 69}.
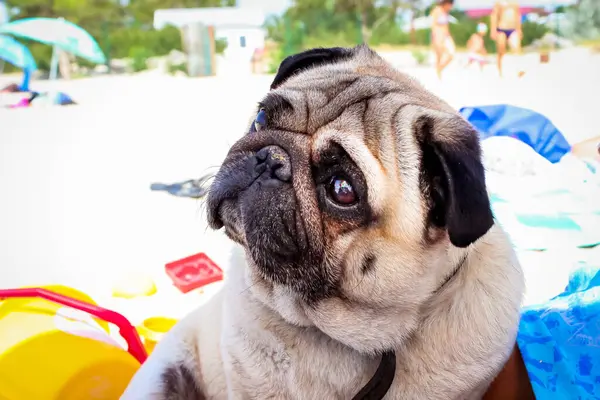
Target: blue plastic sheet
{"x": 560, "y": 340}
{"x": 528, "y": 126}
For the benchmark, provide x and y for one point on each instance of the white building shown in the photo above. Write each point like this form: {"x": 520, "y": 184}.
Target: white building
{"x": 242, "y": 28}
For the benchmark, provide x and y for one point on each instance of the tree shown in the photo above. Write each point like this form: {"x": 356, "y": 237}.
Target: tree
{"x": 583, "y": 21}
{"x": 371, "y": 13}
{"x": 121, "y": 30}
{"x": 142, "y": 11}
{"x": 415, "y": 7}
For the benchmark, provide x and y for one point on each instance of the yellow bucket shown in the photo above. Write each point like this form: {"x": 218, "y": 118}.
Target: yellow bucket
{"x": 52, "y": 352}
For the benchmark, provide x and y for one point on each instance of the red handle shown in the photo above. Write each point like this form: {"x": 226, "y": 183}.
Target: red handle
{"x": 126, "y": 330}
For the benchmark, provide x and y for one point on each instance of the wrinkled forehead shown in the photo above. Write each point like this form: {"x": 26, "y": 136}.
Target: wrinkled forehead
{"x": 319, "y": 96}
{"x": 358, "y": 107}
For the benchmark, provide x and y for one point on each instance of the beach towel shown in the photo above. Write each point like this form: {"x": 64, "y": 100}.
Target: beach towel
{"x": 526, "y": 125}
{"x": 560, "y": 340}
{"x": 55, "y": 98}
{"x": 542, "y": 204}
{"x": 21, "y": 103}
{"x": 550, "y": 219}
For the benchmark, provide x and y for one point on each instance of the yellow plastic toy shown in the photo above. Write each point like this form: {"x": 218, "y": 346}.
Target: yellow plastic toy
{"x": 153, "y": 329}
{"x": 132, "y": 286}
{"x": 51, "y": 348}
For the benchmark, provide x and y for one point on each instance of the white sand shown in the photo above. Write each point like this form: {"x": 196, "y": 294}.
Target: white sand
{"x": 75, "y": 204}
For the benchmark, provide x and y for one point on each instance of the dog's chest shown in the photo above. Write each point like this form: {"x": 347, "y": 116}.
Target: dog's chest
{"x": 302, "y": 368}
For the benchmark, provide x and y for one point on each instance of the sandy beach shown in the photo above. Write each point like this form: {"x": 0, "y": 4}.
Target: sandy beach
{"x": 75, "y": 204}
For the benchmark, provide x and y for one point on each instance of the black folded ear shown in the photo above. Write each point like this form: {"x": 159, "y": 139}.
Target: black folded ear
{"x": 308, "y": 59}
{"x": 453, "y": 177}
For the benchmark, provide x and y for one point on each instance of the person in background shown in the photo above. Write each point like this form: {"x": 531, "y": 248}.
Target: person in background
{"x": 443, "y": 44}
{"x": 506, "y": 29}
{"x": 476, "y": 46}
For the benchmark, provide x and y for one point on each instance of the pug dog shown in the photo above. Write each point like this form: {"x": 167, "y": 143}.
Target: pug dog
{"x": 368, "y": 264}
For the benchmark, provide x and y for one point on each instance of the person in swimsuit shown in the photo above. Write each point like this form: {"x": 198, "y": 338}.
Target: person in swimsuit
{"x": 476, "y": 46}
{"x": 441, "y": 40}
{"x": 506, "y": 28}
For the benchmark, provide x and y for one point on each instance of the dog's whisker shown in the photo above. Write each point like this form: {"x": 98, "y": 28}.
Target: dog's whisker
{"x": 359, "y": 283}
{"x": 248, "y": 288}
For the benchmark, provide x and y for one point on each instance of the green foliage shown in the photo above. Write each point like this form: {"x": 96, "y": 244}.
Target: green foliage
{"x": 561, "y": 9}
{"x": 126, "y": 31}
{"x": 139, "y": 55}
{"x": 121, "y": 31}
{"x": 142, "y": 11}
{"x": 531, "y": 32}
{"x": 173, "y": 68}
{"x": 420, "y": 56}
{"x": 155, "y": 42}
{"x": 41, "y": 53}
{"x": 220, "y": 45}
{"x": 583, "y": 22}
{"x": 132, "y": 42}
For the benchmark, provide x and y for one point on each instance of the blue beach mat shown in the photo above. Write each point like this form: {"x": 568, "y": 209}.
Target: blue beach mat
{"x": 526, "y": 125}
{"x": 560, "y": 340}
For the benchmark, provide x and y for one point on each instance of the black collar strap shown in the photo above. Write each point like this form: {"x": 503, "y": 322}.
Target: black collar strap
{"x": 381, "y": 382}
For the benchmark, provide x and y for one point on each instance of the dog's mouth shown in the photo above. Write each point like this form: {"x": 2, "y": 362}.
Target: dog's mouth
{"x": 262, "y": 217}
{"x": 228, "y": 217}
{"x": 235, "y": 176}
{"x": 254, "y": 199}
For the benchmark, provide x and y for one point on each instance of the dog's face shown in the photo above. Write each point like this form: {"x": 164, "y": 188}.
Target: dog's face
{"x": 354, "y": 193}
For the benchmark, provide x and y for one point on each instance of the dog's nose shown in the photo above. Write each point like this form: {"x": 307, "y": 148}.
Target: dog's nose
{"x": 275, "y": 162}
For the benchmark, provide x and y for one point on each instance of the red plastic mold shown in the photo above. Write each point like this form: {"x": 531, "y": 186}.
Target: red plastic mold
{"x": 193, "y": 272}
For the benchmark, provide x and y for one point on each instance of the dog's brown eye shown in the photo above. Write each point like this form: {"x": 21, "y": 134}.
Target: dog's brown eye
{"x": 341, "y": 191}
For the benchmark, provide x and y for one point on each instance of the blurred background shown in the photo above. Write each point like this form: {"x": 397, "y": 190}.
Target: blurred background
{"x": 138, "y": 35}
{"x": 112, "y": 109}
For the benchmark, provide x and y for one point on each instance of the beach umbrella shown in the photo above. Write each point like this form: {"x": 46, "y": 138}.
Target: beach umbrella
{"x": 58, "y": 33}
{"x": 16, "y": 54}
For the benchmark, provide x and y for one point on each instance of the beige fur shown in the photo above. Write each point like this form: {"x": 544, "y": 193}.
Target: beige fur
{"x": 260, "y": 340}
